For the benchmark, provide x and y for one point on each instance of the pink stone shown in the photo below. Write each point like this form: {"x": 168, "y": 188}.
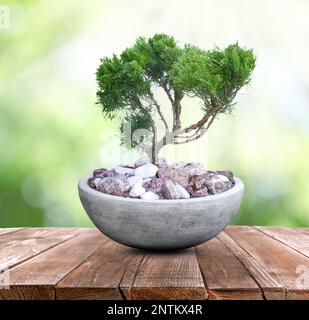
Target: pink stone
{"x": 155, "y": 186}
{"x": 116, "y": 185}
{"x": 214, "y": 183}
{"x": 170, "y": 190}
{"x": 102, "y": 172}
{"x": 200, "y": 193}
{"x": 179, "y": 176}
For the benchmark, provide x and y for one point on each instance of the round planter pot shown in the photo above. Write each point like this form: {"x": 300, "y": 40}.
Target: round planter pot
{"x": 160, "y": 224}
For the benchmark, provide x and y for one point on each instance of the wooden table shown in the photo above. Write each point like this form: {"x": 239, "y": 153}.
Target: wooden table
{"x": 81, "y": 263}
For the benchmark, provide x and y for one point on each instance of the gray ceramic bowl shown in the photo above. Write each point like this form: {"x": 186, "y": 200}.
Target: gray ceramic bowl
{"x": 160, "y": 224}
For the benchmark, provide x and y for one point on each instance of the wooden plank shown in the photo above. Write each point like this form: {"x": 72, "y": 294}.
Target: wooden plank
{"x": 272, "y": 289}
{"x": 9, "y": 230}
{"x": 169, "y": 275}
{"x": 107, "y": 274}
{"x": 296, "y": 240}
{"x": 302, "y": 230}
{"x": 36, "y": 278}
{"x": 279, "y": 262}
{"x": 224, "y": 275}
{"x": 16, "y": 247}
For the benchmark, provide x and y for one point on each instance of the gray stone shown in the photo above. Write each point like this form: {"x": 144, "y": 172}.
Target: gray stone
{"x": 160, "y": 224}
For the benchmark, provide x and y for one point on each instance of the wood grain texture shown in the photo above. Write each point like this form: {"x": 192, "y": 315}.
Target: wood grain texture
{"x": 19, "y": 246}
{"x": 81, "y": 263}
{"x": 278, "y": 261}
{"x": 292, "y": 238}
{"x": 224, "y": 275}
{"x": 50, "y": 267}
{"x": 169, "y": 275}
{"x": 271, "y": 288}
{"x": 9, "y": 230}
{"x": 302, "y": 230}
{"x": 107, "y": 274}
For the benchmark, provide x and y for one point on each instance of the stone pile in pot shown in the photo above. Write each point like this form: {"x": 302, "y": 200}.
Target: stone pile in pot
{"x": 147, "y": 181}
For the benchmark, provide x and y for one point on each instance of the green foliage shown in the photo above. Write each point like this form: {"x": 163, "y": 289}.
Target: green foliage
{"x": 121, "y": 85}
{"x": 215, "y": 75}
{"x": 155, "y": 55}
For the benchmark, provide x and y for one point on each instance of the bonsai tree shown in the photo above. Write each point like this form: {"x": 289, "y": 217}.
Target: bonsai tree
{"x": 127, "y": 82}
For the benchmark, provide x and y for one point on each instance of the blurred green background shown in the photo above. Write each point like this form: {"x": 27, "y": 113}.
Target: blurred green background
{"x": 52, "y": 133}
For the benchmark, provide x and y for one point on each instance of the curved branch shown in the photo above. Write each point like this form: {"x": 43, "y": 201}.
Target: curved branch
{"x": 198, "y": 134}
{"x": 198, "y": 125}
{"x": 159, "y": 110}
{"x": 167, "y": 91}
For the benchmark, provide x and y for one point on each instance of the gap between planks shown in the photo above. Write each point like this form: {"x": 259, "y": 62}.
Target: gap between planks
{"x": 46, "y": 269}
{"x": 272, "y": 263}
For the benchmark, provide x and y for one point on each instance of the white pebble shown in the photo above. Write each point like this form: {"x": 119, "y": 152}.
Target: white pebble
{"x": 184, "y": 194}
{"x": 222, "y": 178}
{"x": 149, "y": 195}
{"x": 97, "y": 182}
{"x": 141, "y": 162}
{"x": 146, "y": 171}
{"x": 135, "y": 180}
{"x": 136, "y": 191}
{"x": 124, "y": 170}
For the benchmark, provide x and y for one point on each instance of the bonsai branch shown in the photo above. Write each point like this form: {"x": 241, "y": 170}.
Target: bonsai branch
{"x": 154, "y": 101}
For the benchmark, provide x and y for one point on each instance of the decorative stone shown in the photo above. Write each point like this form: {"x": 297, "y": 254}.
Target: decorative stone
{"x": 180, "y": 180}
{"x": 141, "y": 162}
{"x": 155, "y": 185}
{"x": 178, "y": 165}
{"x": 124, "y": 170}
{"x": 102, "y": 172}
{"x": 162, "y": 163}
{"x": 194, "y": 168}
{"x": 132, "y": 180}
{"x": 227, "y": 173}
{"x": 179, "y": 175}
{"x": 183, "y": 192}
{"x": 170, "y": 190}
{"x": 200, "y": 193}
{"x": 218, "y": 183}
{"x": 94, "y": 182}
{"x": 137, "y": 190}
{"x": 146, "y": 171}
{"x": 116, "y": 185}
{"x": 149, "y": 196}
{"x": 213, "y": 182}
